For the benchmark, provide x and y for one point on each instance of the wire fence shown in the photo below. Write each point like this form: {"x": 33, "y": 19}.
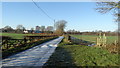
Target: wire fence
{"x": 79, "y": 41}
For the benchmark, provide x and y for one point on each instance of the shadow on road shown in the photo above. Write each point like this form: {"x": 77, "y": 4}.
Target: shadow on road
{"x": 60, "y": 58}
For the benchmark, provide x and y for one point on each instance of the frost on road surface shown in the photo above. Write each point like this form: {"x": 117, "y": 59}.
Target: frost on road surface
{"x": 36, "y": 56}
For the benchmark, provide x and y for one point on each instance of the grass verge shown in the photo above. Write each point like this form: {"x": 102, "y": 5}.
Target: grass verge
{"x": 80, "y": 55}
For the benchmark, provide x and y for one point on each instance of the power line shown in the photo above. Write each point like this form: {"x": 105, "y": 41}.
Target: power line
{"x": 42, "y": 10}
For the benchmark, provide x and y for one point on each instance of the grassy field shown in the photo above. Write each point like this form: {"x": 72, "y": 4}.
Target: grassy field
{"x": 15, "y": 35}
{"x": 80, "y": 55}
{"x": 93, "y": 38}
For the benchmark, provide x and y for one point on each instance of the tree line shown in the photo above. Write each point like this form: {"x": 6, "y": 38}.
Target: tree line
{"x": 58, "y": 28}
{"x": 21, "y": 29}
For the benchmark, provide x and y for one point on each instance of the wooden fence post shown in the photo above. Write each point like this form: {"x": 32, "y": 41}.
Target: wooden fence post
{"x": 104, "y": 40}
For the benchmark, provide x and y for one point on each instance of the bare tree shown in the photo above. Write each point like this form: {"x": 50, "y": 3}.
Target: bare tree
{"x": 20, "y": 29}
{"x": 104, "y": 7}
{"x": 49, "y": 28}
{"x": 32, "y": 30}
{"x": 7, "y": 29}
{"x": 42, "y": 28}
{"x": 60, "y": 26}
{"x": 37, "y": 28}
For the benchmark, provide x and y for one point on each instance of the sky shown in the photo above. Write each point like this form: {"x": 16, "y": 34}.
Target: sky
{"x": 80, "y": 16}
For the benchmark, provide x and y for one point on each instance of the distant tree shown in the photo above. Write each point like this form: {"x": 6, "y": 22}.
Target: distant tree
{"x": 32, "y": 29}
{"x": 7, "y": 29}
{"x": 49, "y": 28}
{"x": 20, "y": 29}
{"x": 60, "y": 26}
{"x": 104, "y": 7}
{"x": 24, "y": 28}
{"x": 100, "y": 31}
{"x": 73, "y": 32}
{"x": 42, "y": 28}
{"x": 37, "y": 28}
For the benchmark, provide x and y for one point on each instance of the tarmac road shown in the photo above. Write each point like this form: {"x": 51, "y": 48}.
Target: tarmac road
{"x": 36, "y": 56}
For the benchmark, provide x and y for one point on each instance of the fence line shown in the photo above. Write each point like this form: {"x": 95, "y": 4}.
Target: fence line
{"x": 8, "y": 43}
{"x": 79, "y": 41}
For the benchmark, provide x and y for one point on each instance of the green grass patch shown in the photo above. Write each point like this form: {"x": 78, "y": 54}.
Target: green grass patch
{"x": 16, "y": 36}
{"x": 93, "y": 38}
{"x": 80, "y": 55}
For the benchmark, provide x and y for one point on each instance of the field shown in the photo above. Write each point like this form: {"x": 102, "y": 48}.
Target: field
{"x": 80, "y": 55}
{"x": 93, "y": 38}
{"x": 15, "y": 35}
